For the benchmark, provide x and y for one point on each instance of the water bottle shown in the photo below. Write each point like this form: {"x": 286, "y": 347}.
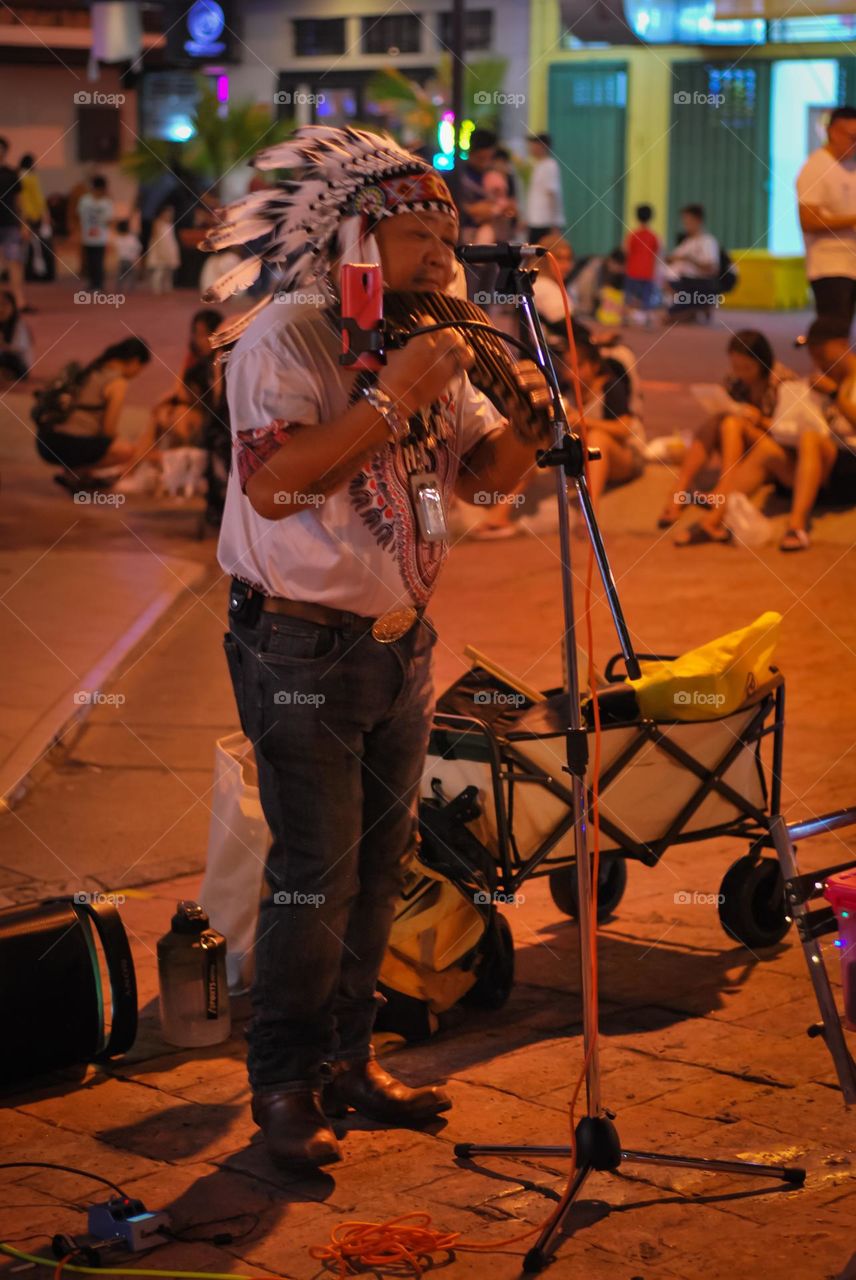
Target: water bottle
{"x": 194, "y": 996}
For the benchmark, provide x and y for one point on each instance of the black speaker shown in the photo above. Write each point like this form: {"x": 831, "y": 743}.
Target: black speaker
{"x": 51, "y": 994}
{"x": 97, "y": 134}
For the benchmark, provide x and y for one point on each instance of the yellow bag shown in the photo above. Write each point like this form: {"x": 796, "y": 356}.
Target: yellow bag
{"x": 712, "y": 681}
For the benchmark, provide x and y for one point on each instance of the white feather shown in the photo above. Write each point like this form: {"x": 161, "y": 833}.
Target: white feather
{"x": 234, "y": 281}
{"x": 237, "y": 233}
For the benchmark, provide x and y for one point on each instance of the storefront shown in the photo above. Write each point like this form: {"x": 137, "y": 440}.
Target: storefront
{"x": 663, "y": 122}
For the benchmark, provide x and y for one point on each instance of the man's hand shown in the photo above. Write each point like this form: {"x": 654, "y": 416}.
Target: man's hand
{"x": 418, "y": 374}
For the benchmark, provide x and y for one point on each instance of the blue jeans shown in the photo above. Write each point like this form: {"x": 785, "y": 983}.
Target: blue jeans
{"x": 340, "y": 726}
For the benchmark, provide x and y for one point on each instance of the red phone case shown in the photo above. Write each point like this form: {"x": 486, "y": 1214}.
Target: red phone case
{"x": 362, "y": 316}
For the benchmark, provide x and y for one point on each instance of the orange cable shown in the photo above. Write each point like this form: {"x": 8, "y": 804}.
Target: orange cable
{"x": 400, "y": 1242}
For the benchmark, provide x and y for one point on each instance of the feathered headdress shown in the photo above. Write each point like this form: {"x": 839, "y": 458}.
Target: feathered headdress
{"x": 349, "y": 180}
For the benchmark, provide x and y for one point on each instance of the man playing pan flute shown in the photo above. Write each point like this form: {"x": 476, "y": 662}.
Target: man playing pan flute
{"x": 332, "y": 567}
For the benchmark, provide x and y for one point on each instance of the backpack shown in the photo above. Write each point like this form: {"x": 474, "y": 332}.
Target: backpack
{"x": 727, "y": 271}
{"x": 54, "y": 403}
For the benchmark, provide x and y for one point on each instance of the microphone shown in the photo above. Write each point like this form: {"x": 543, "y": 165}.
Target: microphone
{"x": 504, "y": 254}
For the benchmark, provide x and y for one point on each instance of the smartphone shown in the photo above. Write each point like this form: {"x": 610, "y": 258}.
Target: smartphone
{"x": 362, "y": 316}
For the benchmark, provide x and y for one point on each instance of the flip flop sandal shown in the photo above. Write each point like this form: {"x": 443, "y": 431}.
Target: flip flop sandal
{"x": 795, "y": 540}
{"x": 697, "y": 535}
{"x": 668, "y": 522}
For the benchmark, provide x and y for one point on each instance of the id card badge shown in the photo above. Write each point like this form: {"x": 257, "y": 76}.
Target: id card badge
{"x": 428, "y": 503}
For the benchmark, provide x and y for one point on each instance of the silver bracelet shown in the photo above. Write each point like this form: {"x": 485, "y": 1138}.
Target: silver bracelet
{"x": 385, "y": 406}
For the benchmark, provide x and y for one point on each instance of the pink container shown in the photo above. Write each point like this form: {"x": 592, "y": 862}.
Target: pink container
{"x": 840, "y": 891}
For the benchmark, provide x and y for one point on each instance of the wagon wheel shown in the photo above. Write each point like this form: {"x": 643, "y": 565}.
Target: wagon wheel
{"x": 752, "y": 906}
{"x": 496, "y": 968}
{"x": 611, "y": 883}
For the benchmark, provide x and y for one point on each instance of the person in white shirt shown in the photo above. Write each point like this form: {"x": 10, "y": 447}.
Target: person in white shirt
{"x": 95, "y": 212}
{"x": 826, "y": 191}
{"x": 693, "y": 267}
{"x": 544, "y": 206}
{"x": 334, "y": 534}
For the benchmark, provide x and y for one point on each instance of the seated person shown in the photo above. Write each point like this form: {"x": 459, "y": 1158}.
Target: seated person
{"x": 822, "y": 462}
{"x": 16, "y": 345}
{"x": 611, "y": 425}
{"x": 693, "y": 267}
{"x": 752, "y": 382}
{"x": 87, "y": 440}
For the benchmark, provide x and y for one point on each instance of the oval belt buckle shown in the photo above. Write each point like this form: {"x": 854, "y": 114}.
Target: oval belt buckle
{"x": 393, "y": 625}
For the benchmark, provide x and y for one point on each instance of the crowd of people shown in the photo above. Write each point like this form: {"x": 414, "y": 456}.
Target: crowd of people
{"x": 801, "y": 440}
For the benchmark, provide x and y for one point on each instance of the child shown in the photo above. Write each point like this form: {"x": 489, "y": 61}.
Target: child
{"x": 642, "y": 249}
{"x": 610, "y": 298}
{"x": 163, "y": 257}
{"x": 128, "y": 251}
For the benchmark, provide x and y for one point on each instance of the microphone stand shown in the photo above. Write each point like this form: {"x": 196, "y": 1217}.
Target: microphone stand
{"x": 598, "y": 1146}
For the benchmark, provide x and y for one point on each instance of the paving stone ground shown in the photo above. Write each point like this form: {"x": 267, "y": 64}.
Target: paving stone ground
{"x": 703, "y": 1044}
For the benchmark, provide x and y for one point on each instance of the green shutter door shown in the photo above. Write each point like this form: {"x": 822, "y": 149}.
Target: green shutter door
{"x": 587, "y": 117}
{"x": 719, "y": 149}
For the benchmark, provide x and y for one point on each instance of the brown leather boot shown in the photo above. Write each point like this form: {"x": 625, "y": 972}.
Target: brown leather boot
{"x": 376, "y": 1094}
{"x": 297, "y": 1133}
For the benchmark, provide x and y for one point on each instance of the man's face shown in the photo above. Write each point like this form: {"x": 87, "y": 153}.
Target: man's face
{"x": 417, "y": 250}
{"x": 482, "y": 159}
{"x": 842, "y": 139}
{"x": 831, "y": 358}
{"x": 690, "y": 223}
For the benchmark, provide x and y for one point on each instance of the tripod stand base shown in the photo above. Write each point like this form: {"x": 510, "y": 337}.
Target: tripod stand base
{"x": 598, "y": 1149}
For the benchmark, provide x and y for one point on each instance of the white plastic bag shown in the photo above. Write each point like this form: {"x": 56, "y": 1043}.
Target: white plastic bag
{"x": 238, "y": 842}
{"x": 798, "y": 409}
{"x": 746, "y": 522}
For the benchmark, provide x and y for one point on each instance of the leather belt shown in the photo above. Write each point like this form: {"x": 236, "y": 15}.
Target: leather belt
{"x": 387, "y": 628}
